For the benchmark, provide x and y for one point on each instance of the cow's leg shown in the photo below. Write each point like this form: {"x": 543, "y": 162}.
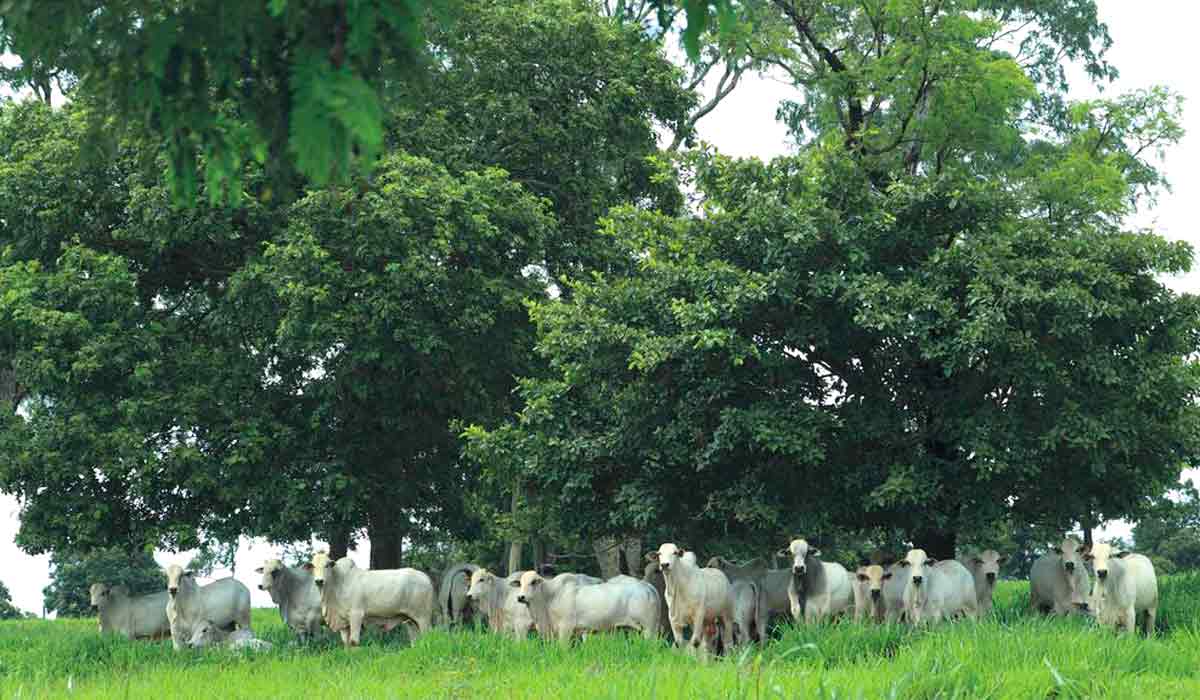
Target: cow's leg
{"x": 727, "y": 632}
{"x": 677, "y": 631}
{"x": 356, "y": 620}
{"x": 1129, "y": 620}
{"x": 178, "y": 640}
{"x": 345, "y": 632}
{"x": 1149, "y": 622}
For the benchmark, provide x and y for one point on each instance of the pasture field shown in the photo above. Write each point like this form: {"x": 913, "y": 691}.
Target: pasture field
{"x": 1011, "y": 655}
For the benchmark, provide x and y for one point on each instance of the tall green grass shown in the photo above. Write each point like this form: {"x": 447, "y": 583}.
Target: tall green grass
{"x": 1013, "y": 654}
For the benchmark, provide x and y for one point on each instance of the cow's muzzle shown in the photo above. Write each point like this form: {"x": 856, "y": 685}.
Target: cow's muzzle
{"x": 991, "y": 577}
{"x": 876, "y": 594}
{"x": 664, "y": 567}
{"x": 1102, "y": 574}
{"x": 172, "y": 591}
{"x": 917, "y": 580}
{"x": 522, "y": 600}
{"x": 262, "y": 587}
{"x": 1069, "y": 566}
{"x": 799, "y": 570}
{"x": 319, "y": 582}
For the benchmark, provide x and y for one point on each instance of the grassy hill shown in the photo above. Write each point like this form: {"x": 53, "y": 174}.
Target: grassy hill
{"x": 1012, "y": 655}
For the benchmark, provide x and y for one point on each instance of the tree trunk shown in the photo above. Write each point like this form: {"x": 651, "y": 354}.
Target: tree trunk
{"x": 608, "y": 556}
{"x": 1087, "y": 535}
{"x": 514, "y": 549}
{"x": 938, "y": 544}
{"x": 539, "y": 554}
{"x": 387, "y": 541}
{"x": 339, "y": 543}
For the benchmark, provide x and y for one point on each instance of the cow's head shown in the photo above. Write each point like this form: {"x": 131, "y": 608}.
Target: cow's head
{"x": 203, "y": 634}
{"x": 871, "y": 578}
{"x": 799, "y": 550}
{"x": 916, "y": 563}
{"x": 529, "y": 587}
{"x": 988, "y": 563}
{"x": 321, "y": 567}
{"x": 482, "y": 582}
{"x": 99, "y": 594}
{"x": 1103, "y": 558}
{"x": 1070, "y": 553}
{"x": 669, "y": 555}
{"x": 177, "y": 577}
{"x": 269, "y": 571}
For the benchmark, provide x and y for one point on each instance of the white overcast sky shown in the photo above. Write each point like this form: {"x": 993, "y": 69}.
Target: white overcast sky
{"x": 1153, "y": 45}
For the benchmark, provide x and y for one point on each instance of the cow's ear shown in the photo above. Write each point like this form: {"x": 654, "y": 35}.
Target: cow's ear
{"x": 1001, "y": 559}
{"x": 190, "y": 574}
{"x": 259, "y": 570}
{"x": 1056, "y": 549}
{"x": 930, "y": 561}
{"x": 784, "y": 553}
{"x": 976, "y": 561}
{"x": 651, "y": 556}
{"x": 862, "y": 577}
{"x": 887, "y": 575}
{"x": 814, "y": 553}
{"x": 514, "y": 584}
{"x": 1122, "y": 554}
{"x": 308, "y": 566}
{"x": 903, "y": 562}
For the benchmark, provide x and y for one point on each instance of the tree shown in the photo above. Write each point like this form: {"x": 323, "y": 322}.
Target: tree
{"x": 8, "y": 611}
{"x": 72, "y": 575}
{"x": 918, "y": 322}
{"x": 1170, "y": 532}
{"x": 293, "y": 84}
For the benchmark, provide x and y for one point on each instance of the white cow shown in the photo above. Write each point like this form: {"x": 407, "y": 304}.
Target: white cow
{"x": 296, "y": 594}
{"x": 985, "y": 569}
{"x": 818, "y": 589}
{"x": 936, "y": 590}
{"x": 453, "y": 602}
{"x": 695, "y": 597}
{"x": 352, "y": 597}
{"x": 878, "y": 594}
{"x": 225, "y": 603}
{"x": 496, "y": 600}
{"x": 1059, "y": 581}
{"x": 772, "y": 585}
{"x": 1125, "y": 587}
{"x": 208, "y": 634}
{"x": 746, "y": 599}
{"x": 563, "y": 606}
{"x": 139, "y": 617}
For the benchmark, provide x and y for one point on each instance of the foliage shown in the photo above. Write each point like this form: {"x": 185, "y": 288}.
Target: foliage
{"x": 1170, "y": 533}
{"x": 917, "y": 322}
{"x": 290, "y": 82}
{"x": 8, "y": 611}
{"x": 71, "y": 577}
{"x": 1042, "y": 657}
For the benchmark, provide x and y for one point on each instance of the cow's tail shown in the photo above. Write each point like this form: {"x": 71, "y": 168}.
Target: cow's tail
{"x": 756, "y": 634}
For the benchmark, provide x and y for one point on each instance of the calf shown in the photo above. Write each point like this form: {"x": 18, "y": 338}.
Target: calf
{"x": 746, "y": 599}
{"x": 208, "y": 634}
{"x": 772, "y": 588}
{"x": 878, "y": 594}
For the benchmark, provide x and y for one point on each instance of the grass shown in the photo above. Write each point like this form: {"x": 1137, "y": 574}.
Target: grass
{"x": 1011, "y": 655}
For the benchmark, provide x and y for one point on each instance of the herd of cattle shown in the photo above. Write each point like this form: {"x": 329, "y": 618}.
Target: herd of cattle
{"x": 721, "y": 601}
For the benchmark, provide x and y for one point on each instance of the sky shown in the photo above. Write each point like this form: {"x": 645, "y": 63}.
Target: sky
{"x": 1152, "y": 45}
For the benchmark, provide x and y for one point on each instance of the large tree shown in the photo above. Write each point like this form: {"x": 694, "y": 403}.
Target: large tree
{"x": 930, "y": 319}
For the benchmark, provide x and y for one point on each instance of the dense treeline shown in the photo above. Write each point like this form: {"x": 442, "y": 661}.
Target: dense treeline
{"x": 540, "y": 317}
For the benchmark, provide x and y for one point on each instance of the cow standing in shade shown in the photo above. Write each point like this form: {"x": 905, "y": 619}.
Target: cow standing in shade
{"x": 695, "y": 596}
{"x": 137, "y": 617}
{"x": 818, "y": 590}
{"x": 1126, "y": 586}
{"x": 563, "y": 605}
{"x": 496, "y": 600}
{"x": 985, "y": 569}
{"x": 296, "y": 594}
{"x": 225, "y": 603}
{"x": 1059, "y": 581}
{"x": 352, "y": 597}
